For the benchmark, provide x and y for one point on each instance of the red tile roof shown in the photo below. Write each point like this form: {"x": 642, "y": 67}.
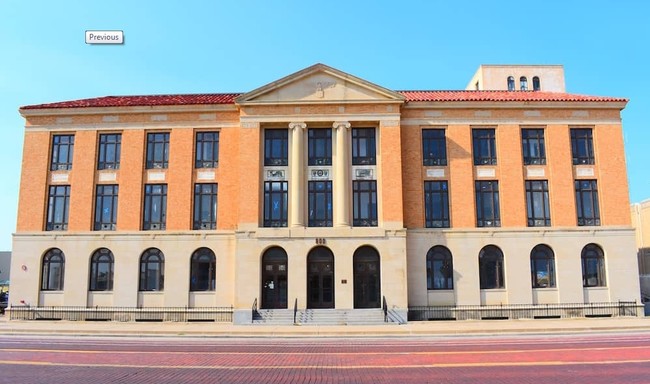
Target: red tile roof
{"x": 148, "y": 100}
{"x": 410, "y": 96}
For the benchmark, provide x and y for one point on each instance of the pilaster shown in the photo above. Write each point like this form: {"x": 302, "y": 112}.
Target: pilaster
{"x": 341, "y": 172}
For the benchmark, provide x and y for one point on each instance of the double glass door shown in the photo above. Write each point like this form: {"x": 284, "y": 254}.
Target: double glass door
{"x": 274, "y": 279}
{"x": 320, "y": 278}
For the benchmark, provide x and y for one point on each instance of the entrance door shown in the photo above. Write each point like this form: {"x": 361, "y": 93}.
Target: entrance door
{"x": 320, "y": 278}
{"x": 274, "y": 279}
{"x": 366, "y": 278}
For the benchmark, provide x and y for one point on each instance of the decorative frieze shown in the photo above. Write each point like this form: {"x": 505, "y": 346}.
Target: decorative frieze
{"x": 585, "y": 172}
{"x": 110, "y": 119}
{"x": 535, "y": 172}
{"x": 275, "y": 175}
{"x": 60, "y": 177}
{"x": 319, "y": 174}
{"x": 206, "y": 175}
{"x": 486, "y": 172}
{"x": 483, "y": 113}
{"x": 435, "y": 172}
{"x": 64, "y": 120}
{"x": 107, "y": 176}
{"x": 207, "y": 116}
{"x": 363, "y": 174}
{"x": 156, "y": 176}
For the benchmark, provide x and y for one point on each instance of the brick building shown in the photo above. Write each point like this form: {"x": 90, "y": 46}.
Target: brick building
{"x": 328, "y": 190}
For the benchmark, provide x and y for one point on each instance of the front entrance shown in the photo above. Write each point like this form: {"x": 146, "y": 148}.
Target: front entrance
{"x": 320, "y": 278}
{"x": 366, "y": 278}
{"x": 274, "y": 279}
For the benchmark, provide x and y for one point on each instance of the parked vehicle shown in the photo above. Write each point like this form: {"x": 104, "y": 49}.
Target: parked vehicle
{"x": 4, "y": 301}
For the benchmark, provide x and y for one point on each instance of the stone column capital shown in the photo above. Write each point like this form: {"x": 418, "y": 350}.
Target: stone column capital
{"x": 295, "y": 125}
{"x": 341, "y": 124}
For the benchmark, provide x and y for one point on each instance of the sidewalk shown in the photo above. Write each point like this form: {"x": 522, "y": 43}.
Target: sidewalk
{"x": 430, "y": 328}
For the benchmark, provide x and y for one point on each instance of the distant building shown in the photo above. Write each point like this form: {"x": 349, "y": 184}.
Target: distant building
{"x": 324, "y": 189}
{"x": 5, "y": 266}
{"x": 641, "y": 221}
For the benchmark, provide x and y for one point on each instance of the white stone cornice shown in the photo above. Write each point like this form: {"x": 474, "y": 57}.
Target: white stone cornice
{"x": 130, "y": 126}
{"x": 519, "y": 121}
{"x": 321, "y": 117}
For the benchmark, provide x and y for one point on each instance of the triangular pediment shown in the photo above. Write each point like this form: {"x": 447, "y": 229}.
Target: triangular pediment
{"x": 319, "y": 84}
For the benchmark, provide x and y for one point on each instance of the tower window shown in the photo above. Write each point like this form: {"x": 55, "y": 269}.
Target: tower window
{"x": 523, "y": 83}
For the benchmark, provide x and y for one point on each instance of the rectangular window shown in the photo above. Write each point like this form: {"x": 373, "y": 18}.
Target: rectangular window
{"x": 582, "y": 146}
{"x": 320, "y": 146}
{"x": 320, "y": 203}
{"x": 484, "y": 145}
{"x": 587, "y": 202}
{"x": 110, "y": 146}
{"x": 537, "y": 206}
{"x": 364, "y": 195}
{"x": 434, "y": 147}
{"x": 62, "y": 151}
{"x": 487, "y": 204}
{"x": 275, "y": 203}
{"x": 106, "y": 208}
{"x": 157, "y": 150}
{"x": 363, "y": 146}
{"x": 532, "y": 145}
{"x": 207, "y": 150}
{"x": 57, "y": 208}
{"x": 205, "y": 206}
{"x": 436, "y": 204}
{"x": 276, "y": 147}
{"x": 155, "y": 207}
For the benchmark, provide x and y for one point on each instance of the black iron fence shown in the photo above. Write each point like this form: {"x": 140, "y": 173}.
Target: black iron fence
{"x": 524, "y": 311}
{"x": 178, "y": 314}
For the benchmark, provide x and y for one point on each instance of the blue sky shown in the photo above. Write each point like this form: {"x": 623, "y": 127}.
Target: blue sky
{"x": 230, "y": 46}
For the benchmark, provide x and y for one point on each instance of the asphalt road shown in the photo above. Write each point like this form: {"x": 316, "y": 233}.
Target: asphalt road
{"x": 584, "y": 358}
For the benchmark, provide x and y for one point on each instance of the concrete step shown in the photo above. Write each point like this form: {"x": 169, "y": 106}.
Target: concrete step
{"x": 320, "y": 317}
{"x": 342, "y": 317}
{"x": 274, "y": 317}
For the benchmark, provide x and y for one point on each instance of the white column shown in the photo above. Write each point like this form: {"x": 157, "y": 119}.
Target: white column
{"x": 296, "y": 170}
{"x": 341, "y": 172}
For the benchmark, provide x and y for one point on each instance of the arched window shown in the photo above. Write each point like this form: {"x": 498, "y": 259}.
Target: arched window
{"x": 490, "y": 262}
{"x": 101, "y": 270}
{"x": 523, "y": 83}
{"x": 53, "y": 270}
{"x": 203, "y": 270}
{"x": 152, "y": 270}
{"x": 542, "y": 267}
{"x": 511, "y": 83}
{"x": 593, "y": 266}
{"x": 440, "y": 269}
{"x": 536, "y": 84}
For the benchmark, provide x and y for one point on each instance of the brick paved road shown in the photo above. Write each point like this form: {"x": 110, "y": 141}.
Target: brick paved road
{"x": 594, "y": 358}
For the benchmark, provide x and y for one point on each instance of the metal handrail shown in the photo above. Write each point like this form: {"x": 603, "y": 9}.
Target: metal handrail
{"x": 295, "y": 310}
{"x": 384, "y": 306}
{"x": 523, "y": 311}
{"x": 254, "y": 310}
